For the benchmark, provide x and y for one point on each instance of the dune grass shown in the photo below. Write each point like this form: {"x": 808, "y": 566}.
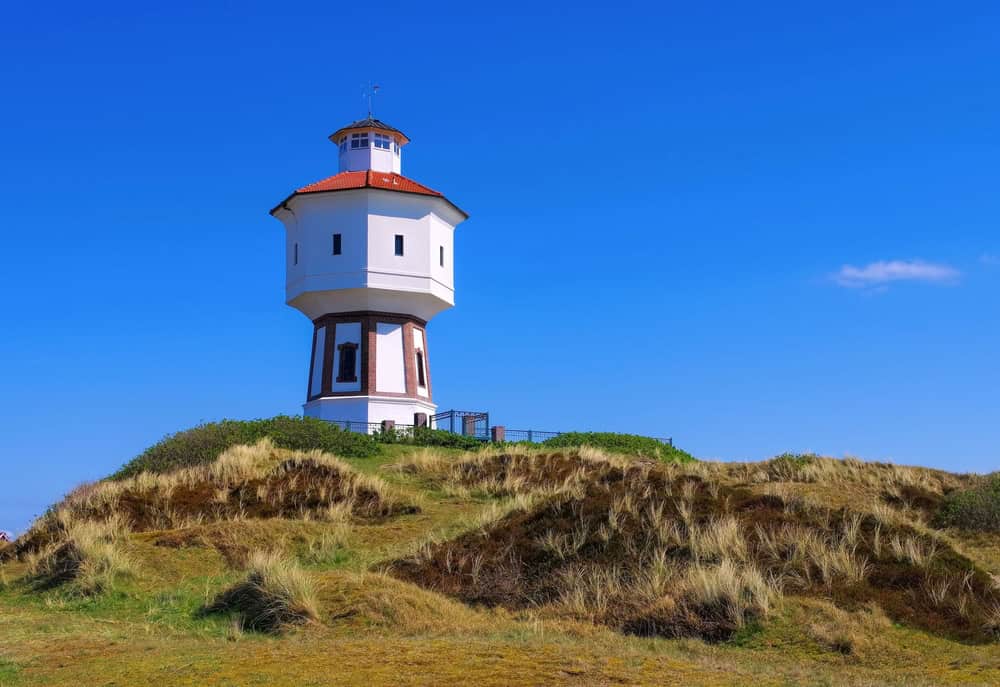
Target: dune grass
{"x": 276, "y": 594}
{"x": 769, "y": 562}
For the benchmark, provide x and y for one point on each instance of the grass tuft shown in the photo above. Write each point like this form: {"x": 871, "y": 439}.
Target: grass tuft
{"x": 276, "y": 594}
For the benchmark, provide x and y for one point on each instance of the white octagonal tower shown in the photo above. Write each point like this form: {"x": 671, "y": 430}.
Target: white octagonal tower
{"x": 369, "y": 262}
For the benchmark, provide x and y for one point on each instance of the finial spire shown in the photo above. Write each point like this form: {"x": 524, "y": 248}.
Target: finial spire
{"x": 369, "y": 93}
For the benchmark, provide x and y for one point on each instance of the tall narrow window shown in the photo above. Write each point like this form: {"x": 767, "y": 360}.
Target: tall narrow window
{"x": 441, "y": 255}
{"x": 336, "y": 244}
{"x": 421, "y": 378}
{"x": 399, "y": 244}
{"x": 296, "y": 256}
{"x": 347, "y": 364}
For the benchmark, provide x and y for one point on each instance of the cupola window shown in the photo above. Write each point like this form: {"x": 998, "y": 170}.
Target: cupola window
{"x": 395, "y": 147}
{"x": 359, "y": 140}
{"x": 343, "y": 144}
{"x": 382, "y": 141}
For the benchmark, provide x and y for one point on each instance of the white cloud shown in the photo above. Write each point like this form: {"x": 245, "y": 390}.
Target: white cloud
{"x": 884, "y": 272}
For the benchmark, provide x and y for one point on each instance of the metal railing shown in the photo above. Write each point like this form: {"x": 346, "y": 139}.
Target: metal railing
{"x": 372, "y": 427}
{"x": 470, "y": 423}
{"x": 535, "y": 436}
{"x": 473, "y": 425}
{"x": 530, "y": 435}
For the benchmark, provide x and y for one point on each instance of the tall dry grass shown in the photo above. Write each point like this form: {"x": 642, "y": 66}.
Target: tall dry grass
{"x": 276, "y": 593}
{"x": 91, "y": 556}
{"x": 307, "y": 485}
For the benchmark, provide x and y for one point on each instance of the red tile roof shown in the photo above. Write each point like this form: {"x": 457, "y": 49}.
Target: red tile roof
{"x": 368, "y": 179}
{"x": 386, "y": 181}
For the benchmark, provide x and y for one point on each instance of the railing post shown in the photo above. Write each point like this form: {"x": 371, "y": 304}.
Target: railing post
{"x": 388, "y": 425}
{"x": 497, "y": 434}
{"x": 531, "y": 436}
{"x": 469, "y": 425}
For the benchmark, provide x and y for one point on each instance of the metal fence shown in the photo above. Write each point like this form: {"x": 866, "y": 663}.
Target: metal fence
{"x": 470, "y": 423}
{"x": 530, "y": 435}
{"x": 535, "y": 436}
{"x": 372, "y": 427}
{"x": 466, "y": 423}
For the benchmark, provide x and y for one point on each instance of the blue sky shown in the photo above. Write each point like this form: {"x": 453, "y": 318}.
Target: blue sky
{"x": 752, "y": 228}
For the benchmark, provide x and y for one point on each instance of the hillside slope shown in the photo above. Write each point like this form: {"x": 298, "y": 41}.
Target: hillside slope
{"x": 504, "y": 566}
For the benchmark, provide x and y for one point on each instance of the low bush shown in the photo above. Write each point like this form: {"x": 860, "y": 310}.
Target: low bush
{"x": 629, "y": 444}
{"x": 204, "y": 443}
{"x": 424, "y": 436}
{"x": 976, "y": 509}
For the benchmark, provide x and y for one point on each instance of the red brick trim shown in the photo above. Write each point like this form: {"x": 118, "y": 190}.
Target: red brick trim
{"x": 356, "y": 315}
{"x": 369, "y": 321}
{"x": 312, "y": 363}
{"x": 427, "y": 365}
{"x": 331, "y": 336}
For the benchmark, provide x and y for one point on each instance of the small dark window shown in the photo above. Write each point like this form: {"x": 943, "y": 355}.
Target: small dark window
{"x": 399, "y": 244}
{"x": 296, "y": 258}
{"x": 347, "y": 371}
{"x": 441, "y": 256}
{"x": 421, "y": 379}
{"x": 336, "y": 244}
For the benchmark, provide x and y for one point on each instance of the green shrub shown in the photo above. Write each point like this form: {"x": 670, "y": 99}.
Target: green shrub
{"x": 204, "y": 443}
{"x": 973, "y": 509}
{"x": 629, "y": 444}
{"x": 423, "y": 436}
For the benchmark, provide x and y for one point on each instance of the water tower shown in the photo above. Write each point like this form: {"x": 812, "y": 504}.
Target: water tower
{"x": 369, "y": 260}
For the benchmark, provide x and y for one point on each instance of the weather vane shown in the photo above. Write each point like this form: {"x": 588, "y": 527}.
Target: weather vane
{"x": 368, "y": 93}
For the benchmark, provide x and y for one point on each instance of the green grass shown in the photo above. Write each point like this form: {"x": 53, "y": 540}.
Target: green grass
{"x": 976, "y": 509}
{"x": 147, "y": 629}
{"x": 629, "y": 444}
{"x": 8, "y": 673}
{"x": 204, "y": 443}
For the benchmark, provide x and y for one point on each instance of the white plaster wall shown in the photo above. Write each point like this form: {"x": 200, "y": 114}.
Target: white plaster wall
{"x": 400, "y": 411}
{"x": 442, "y": 234}
{"x": 368, "y": 409}
{"x": 347, "y": 332}
{"x": 350, "y": 409}
{"x": 390, "y": 373}
{"x": 316, "y": 383}
{"x": 378, "y": 159}
{"x": 418, "y": 345}
{"x": 368, "y": 220}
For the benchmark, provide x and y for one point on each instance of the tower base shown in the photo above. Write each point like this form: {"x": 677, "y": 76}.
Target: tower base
{"x": 402, "y": 411}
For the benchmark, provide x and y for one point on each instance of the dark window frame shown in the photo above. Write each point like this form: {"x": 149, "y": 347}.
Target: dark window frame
{"x": 338, "y": 244}
{"x": 399, "y": 246}
{"x": 347, "y": 352}
{"x": 421, "y": 373}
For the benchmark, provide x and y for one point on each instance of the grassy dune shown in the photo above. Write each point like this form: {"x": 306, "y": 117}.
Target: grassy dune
{"x": 512, "y": 566}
